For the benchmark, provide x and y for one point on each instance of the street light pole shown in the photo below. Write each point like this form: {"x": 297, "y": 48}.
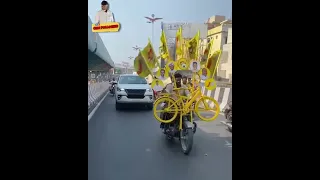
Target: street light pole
{"x": 136, "y": 48}
{"x": 152, "y": 19}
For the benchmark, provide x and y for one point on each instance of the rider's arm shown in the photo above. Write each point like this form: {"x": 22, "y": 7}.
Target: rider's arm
{"x": 169, "y": 88}
{"x": 186, "y": 91}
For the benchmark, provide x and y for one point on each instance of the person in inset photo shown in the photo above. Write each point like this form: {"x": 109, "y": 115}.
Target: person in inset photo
{"x": 104, "y": 15}
{"x": 194, "y": 66}
{"x": 171, "y": 67}
{"x": 204, "y": 74}
{"x": 162, "y": 74}
{"x": 157, "y": 87}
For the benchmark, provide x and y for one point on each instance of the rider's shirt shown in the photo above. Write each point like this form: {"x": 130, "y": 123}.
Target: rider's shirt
{"x": 112, "y": 82}
{"x": 183, "y": 92}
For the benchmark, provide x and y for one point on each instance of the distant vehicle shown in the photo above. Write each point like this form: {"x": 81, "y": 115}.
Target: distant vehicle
{"x": 133, "y": 89}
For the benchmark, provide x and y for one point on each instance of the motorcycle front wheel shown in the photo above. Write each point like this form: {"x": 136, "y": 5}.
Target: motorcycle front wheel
{"x": 186, "y": 140}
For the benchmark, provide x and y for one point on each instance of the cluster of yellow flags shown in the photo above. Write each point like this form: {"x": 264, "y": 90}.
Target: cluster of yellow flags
{"x": 147, "y": 60}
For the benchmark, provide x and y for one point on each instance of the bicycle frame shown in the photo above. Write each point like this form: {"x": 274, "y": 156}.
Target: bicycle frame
{"x": 185, "y": 106}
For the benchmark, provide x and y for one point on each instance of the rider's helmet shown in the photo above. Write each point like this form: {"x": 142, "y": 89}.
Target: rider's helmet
{"x": 113, "y": 79}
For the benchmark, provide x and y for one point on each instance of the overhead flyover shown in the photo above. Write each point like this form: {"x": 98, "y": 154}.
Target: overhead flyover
{"x": 98, "y": 55}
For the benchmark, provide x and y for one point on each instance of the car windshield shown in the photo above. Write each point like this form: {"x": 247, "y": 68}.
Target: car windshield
{"x": 132, "y": 80}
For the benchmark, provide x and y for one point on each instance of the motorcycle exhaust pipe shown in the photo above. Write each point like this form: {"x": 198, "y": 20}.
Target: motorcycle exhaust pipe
{"x": 227, "y": 124}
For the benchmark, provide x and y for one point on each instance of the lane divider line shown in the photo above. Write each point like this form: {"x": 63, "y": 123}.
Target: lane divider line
{"x": 97, "y": 106}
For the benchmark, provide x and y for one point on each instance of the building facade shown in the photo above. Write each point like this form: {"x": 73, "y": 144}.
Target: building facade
{"x": 225, "y": 70}
{"x": 219, "y": 34}
{"x": 218, "y": 27}
{"x": 120, "y": 68}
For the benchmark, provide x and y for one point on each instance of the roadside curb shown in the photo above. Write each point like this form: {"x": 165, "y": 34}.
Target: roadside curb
{"x": 97, "y": 106}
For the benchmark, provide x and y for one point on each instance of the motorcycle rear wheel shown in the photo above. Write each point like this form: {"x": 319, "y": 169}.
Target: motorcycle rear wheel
{"x": 186, "y": 140}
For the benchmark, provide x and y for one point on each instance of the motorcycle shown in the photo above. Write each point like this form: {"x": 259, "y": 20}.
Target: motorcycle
{"x": 112, "y": 88}
{"x": 185, "y": 135}
{"x": 228, "y": 116}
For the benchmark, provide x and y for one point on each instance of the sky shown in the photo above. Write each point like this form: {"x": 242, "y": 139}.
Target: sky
{"x": 134, "y": 29}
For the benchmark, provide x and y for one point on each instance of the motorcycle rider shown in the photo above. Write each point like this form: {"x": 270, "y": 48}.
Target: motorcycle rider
{"x": 113, "y": 82}
{"x": 228, "y": 116}
{"x": 170, "y": 86}
{"x": 228, "y": 111}
{"x": 184, "y": 80}
{"x": 169, "y": 89}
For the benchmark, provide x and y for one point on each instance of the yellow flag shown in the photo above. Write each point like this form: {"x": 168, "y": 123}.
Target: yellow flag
{"x": 149, "y": 56}
{"x": 140, "y": 66}
{"x": 164, "y": 51}
{"x": 205, "y": 56}
{"x": 179, "y": 44}
{"x": 213, "y": 62}
{"x": 193, "y": 46}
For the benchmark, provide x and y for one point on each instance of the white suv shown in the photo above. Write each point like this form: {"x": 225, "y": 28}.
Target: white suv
{"x": 133, "y": 89}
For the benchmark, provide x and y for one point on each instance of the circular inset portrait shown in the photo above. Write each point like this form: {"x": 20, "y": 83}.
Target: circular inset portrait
{"x": 195, "y": 79}
{"x": 182, "y": 64}
{"x": 204, "y": 73}
{"x": 162, "y": 74}
{"x": 210, "y": 84}
{"x": 171, "y": 66}
{"x": 194, "y": 66}
{"x": 157, "y": 85}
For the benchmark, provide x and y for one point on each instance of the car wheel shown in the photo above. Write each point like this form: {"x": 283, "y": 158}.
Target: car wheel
{"x": 118, "y": 106}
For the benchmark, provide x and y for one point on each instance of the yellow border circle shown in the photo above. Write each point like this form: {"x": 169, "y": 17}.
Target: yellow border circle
{"x": 183, "y": 60}
{"x": 166, "y": 74}
{"x": 208, "y": 73}
{"x": 210, "y": 84}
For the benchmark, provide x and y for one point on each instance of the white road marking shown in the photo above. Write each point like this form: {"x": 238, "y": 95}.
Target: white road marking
{"x": 97, "y": 106}
{"x": 216, "y": 95}
{"x": 225, "y": 98}
{"x": 228, "y": 144}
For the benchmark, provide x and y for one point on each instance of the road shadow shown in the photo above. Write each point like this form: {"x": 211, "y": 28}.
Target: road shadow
{"x": 134, "y": 108}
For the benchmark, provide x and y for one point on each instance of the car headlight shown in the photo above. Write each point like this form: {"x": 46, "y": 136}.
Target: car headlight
{"x": 120, "y": 89}
{"x": 149, "y": 90}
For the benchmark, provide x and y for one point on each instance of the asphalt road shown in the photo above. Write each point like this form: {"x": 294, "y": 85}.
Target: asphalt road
{"x": 129, "y": 145}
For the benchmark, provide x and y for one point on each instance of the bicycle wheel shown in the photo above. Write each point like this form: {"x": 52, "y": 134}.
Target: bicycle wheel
{"x": 206, "y": 112}
{"x": 165, "y": 105}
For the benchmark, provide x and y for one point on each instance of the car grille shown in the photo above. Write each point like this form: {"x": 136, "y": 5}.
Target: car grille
{"x": 135, "y": 93}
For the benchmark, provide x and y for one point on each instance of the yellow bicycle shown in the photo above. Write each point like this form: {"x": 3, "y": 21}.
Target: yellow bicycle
{"x": 183, "y": 105}
{"x": 184, "y": 128}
